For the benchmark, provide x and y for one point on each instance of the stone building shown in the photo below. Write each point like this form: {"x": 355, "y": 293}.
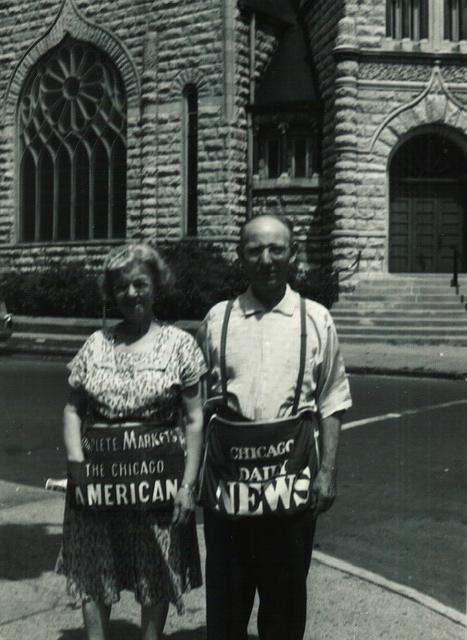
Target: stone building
{"x": 169, "y": 119}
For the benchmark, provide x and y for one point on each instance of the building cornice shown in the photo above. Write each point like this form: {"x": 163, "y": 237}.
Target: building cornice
{"x": 385, "y": 56}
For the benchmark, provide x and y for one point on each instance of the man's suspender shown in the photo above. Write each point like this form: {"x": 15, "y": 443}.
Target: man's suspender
{"x": 301, "y": 369}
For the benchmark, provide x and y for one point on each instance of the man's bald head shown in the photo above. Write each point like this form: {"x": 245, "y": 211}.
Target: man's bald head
{"x": 266, "y": 221}
{"x": 266, "y": 252}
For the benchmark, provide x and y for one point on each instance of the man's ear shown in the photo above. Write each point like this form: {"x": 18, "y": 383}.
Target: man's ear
{"x": 293, "y": 252}
{"x": 240, "y": 252}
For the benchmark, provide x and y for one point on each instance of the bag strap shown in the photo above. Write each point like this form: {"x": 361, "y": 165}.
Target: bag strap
{"x": 301, "y": 369}
{"x": 223, "y": 372}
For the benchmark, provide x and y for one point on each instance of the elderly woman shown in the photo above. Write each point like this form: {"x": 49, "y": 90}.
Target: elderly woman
{"x": 141, "y": 371}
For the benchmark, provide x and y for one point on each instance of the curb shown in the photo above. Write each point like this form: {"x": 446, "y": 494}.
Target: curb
{"x": 412, "y": 373}
{"x": 36, "y": 345}
{"x": 389, "y": 585}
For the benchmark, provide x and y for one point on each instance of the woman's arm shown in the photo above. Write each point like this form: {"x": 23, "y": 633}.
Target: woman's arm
{"x": 185, "y": 500}
{"x": 72, "y": 433}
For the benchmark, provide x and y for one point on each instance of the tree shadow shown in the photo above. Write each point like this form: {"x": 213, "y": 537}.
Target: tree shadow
{"x": 27, "y": 551}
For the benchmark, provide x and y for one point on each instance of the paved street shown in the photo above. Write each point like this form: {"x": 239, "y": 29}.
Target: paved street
{"x": 400, "y": 515}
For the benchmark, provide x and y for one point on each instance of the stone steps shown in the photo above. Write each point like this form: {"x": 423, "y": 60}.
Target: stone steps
{"x": 381, "y": 338}
{"x": 402, "y": 321}
{"x": 402, "y": 310}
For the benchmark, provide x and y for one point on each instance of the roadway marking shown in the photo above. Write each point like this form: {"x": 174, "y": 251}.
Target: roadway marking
{"x": 390, "y": 585}
{"x": 406, "y": 412}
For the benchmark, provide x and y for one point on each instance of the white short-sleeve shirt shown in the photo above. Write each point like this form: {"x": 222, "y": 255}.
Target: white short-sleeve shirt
{"x": 263, "y": 355}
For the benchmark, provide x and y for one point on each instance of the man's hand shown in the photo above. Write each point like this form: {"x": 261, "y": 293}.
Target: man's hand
{"x": 324, "y": 489}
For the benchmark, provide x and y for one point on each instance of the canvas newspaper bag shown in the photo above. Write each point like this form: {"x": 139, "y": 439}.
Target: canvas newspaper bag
{"x": 263, "y": 468}
{"x": 129, "y": 466}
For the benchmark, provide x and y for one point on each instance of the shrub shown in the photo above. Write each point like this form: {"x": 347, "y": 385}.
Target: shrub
{"x": 59, "y": 290}
{"x": 203, "y": 275}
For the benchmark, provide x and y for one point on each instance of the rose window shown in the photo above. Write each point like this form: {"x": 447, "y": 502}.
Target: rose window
{"x": 72, "y": 125}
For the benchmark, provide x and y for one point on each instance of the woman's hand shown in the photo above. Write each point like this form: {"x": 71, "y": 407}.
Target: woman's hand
{"x": 76, "y": 472}
{"x": 184, "y": 505}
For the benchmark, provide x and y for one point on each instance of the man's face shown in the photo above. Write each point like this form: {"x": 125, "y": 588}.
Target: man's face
{"x": 266, "y": 253}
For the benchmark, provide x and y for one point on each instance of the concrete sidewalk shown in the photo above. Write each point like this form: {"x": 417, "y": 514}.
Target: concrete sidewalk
{"x": 342, "y": 605}
{"x": 411, "y": 359}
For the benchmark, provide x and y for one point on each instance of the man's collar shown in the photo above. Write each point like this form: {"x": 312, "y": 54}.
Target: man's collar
{"x": 249, "y": 303}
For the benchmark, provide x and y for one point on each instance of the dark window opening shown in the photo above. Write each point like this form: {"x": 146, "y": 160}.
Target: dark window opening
{"x": 407, "y": 19}
{"x": 282, "y": 151}
{"x": 191, "y": 160}
{"x": 455, "y": 20}
{"x": 428, "y": 156}
{"x": 72, "y": 132}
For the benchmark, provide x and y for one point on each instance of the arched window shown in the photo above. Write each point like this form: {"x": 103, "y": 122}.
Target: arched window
{"x": 190, "y": 160}
{"x": 72, "y": 147}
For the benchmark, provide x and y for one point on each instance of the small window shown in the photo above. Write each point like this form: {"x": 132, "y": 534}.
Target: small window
{"x": 455, "y": 20}
{"x": 407, "y": 19}
{"x": 285, "y": 151}
{"x": 191, "y": 160}
{"x": 72, "y": 136}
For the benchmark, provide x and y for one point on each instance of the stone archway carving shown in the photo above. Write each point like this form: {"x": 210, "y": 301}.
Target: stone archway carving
{"x": 434, "y": 105}
{"x": 189, "y": 76}
{"x": 70, "y": 21}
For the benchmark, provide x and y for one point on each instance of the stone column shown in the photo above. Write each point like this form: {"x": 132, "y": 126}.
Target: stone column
{"x": 149, "y": 113}
{"x": 343, "y": 236}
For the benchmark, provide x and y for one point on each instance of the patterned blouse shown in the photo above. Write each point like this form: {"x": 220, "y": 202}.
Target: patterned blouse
{"x": 137, "y": 385}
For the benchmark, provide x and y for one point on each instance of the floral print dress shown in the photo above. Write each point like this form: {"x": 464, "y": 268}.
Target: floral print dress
{"x": 107, "y": 551}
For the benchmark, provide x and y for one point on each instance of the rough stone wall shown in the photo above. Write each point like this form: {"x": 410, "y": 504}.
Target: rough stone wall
{"x": 321, "y": 20}
{"x": 187, "y": 50}
{"x": 266, "y": 44}
{"x": 387, "y": 114}
{"x": 375, "y": 103}
{"x": 370, "y": 21}
{"x": 16, "y": 35}
{"x": 159, "y": 47}
{"x": 300, "y": 207}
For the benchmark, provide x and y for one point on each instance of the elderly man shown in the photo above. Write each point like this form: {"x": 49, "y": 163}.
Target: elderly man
{"x": 267, "y": 553}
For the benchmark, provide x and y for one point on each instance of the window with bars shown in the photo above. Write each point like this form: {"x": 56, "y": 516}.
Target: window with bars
{"x": 455, "y": 20}
{"x": 72, "y": 147}
{"x": 407, "y": 19}
{"x": 190, "y": 161}
{"x": 285, "y": 151}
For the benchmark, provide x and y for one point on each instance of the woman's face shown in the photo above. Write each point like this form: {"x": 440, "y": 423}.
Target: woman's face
{"x": 133, "y": 290}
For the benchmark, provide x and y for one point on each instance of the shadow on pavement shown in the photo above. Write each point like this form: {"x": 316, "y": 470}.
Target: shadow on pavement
{"x": 118, "y": 630}
{"x": 190, "y": 634}
{"x": 122, "y": 630}
{"x": 27, "y": 551}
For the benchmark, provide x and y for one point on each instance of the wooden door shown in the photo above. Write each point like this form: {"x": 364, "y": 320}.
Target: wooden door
{"x": 426, "y": 219}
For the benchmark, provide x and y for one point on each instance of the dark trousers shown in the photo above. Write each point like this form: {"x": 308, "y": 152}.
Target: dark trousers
{"x": 271, "y": 555}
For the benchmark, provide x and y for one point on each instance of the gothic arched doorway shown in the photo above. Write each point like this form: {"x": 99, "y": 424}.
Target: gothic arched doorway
{"x": 427, "y": 204}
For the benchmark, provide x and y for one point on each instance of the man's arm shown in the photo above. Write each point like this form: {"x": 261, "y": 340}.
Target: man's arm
{"x": 325, "y": 485}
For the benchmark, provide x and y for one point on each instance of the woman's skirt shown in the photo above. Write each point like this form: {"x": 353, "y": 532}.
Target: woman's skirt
{"x": 104, "y": 552}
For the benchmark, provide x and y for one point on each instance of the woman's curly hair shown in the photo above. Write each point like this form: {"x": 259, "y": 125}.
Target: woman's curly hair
{"x": 121, "y": 257}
